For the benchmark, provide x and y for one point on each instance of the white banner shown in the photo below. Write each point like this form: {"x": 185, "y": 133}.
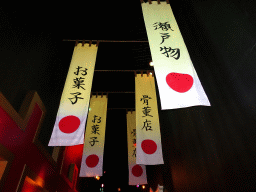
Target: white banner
{"x": 137, "y": 173}
{"x": 149, "y": 147}
{"x": 178, "y": 83}
{"x": 159, "y": 189}
{"x": 71, "y": 117}
{"x": 92, "y": 159}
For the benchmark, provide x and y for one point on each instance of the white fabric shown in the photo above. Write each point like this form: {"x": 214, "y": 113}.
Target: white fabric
{"x": 92, "y": 159}
{"x": 71, "y": 117}
{"x": 149, "y": 147}
{"x": 138, "y": 176}
{"x": 172, "y": 64}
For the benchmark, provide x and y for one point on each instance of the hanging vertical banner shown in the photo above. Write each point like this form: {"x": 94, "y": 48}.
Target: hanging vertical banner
{"x": 178, "y": 83}
{"x": 71, "y": 117}
{"x": 149, "y": 147}
{"x": 137, "y": 173}
{"x": 92, "y": 159}
{"x": 161, "y": 188}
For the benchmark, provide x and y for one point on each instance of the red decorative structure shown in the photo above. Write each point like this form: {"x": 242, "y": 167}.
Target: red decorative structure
{"x": 25, "y": 165}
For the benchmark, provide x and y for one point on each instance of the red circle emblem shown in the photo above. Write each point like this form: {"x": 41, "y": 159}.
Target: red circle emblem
{"x": 69, "y": 124}
{"x": 149, "y": 146}
{"x": 92, "y": 160}
{"x": 137, "y": 170}
{"x": 179, "y": 82}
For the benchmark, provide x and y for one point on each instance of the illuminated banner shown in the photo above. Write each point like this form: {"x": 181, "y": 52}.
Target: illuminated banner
{"x": 159, "y": 189}
{"x": 92, "y": 160}
{"x": 178, "y": 83}
{"x": 149, "y": 147}
{"x": 71, "y": 117}
{"x": 137, "y": 173}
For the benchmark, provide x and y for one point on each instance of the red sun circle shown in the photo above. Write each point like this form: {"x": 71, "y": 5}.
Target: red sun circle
{"x": 92, "y": 160}
{"x": 137, "y": 170}
{"x": 149, "y": 146}
{"x": 69, "y": 124}
{"x": 179, "y": 82}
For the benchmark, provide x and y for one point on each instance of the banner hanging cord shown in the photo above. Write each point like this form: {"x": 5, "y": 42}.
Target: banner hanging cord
{"x": 158, "y": 1}
{"x": 139, "y": 71}
{"x": 83, "y": 41}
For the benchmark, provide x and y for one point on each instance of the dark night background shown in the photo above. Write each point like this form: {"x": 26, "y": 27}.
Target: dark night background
{"x": 204, "y": 148}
